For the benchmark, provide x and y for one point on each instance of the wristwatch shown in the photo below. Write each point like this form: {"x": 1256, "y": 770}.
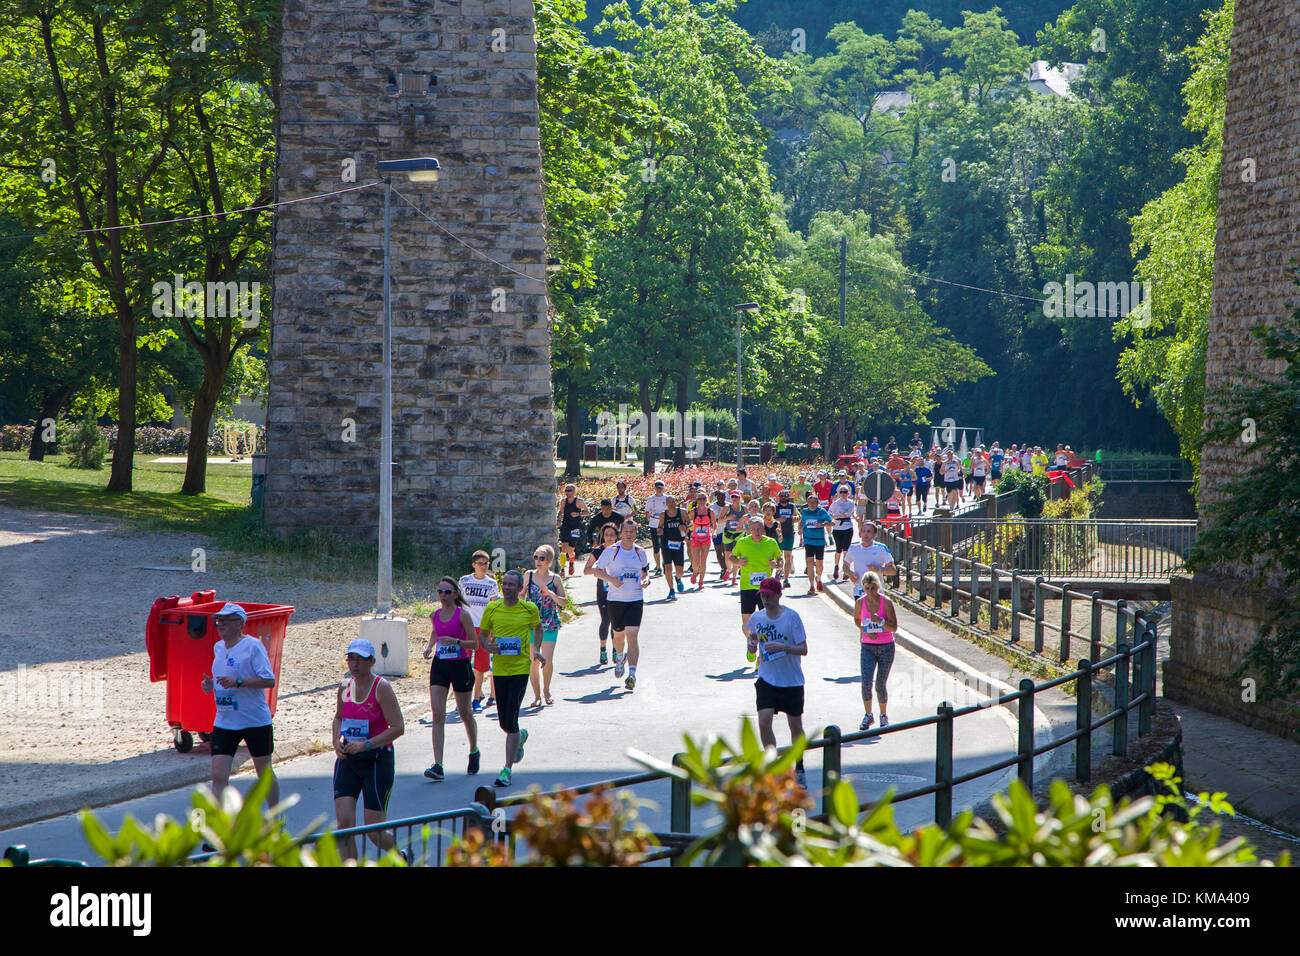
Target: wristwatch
{"x": 239, "y": 682}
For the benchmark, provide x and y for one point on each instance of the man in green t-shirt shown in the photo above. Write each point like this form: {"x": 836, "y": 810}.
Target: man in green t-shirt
{"x": 756, "y": 556}
{"x": 511, "y": 631}
{"x": 800, "y": 488}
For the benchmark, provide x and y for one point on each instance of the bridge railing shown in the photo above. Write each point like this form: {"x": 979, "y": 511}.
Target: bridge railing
{"x": 1023, "y": 604}
{"x": 1145, "y": 469}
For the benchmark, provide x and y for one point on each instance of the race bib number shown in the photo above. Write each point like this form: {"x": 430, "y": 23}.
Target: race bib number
{"x": 871, "y": 629}
{"x": 575, "y": 533}
{"x": 354, "y": 729}
{"x": 674, "y": 545}
{"x": 510, "y": 646}
{"x": 226, "y": 700}
{"x": 448, "y": 652}
{"x": 756, "y": 577}
{"x": 825, "y": 502}
{"x": 811, "y": 524}
{"x": 733, "y": 524}
{"x": 773, "y": 657}
{"x": 630, "y": 576}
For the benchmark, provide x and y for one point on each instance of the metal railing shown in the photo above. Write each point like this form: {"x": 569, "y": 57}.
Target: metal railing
{"x": 1145, "y": 469}
{"x": 1093, "y": 548}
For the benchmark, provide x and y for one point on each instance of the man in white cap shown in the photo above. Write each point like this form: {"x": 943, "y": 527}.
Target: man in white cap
{"x": 241, "y": 674}
{"x": 655, "y": 506}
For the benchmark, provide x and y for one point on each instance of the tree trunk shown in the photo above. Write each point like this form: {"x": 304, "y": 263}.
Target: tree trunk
{"x": 119, "y": 479}
{"x": 573, "y": 422}
{"x": 679, "y": 440}
{"x": 49, "y": 410}
{"x": 643, "y": 393}
{"x": 205, "y": 405}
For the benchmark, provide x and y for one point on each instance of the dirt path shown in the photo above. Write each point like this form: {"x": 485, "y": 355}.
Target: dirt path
{"x": 77, "y": 709}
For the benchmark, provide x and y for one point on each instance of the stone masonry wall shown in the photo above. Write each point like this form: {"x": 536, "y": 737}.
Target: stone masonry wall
{"x": 1214, "y": 618}
{"x": 472, "y": 400}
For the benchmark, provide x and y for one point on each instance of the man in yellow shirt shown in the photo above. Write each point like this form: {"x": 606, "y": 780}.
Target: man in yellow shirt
{"x": 1039, "y": 461}
{"x": 511, "y": 631}
{"x": 756, "y": 556}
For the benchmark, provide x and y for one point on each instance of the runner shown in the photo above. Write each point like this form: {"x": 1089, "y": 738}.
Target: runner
{"x": 569, "y": 521}
{"x": 479, "y": 590}
{"x": 785, "y": 512}
{"x": 732, "y": 530}
{"x": 701, "y": 533}
{"x": 241, "y": 674}
{"x": 868, "y": 555}
{"x": 512, "y": 632}
{"x": 823, "y": 488}
{"x": 606, "y": 515}
{"x": 799, "y": 490}
{"x": 742, "y": 481}
{"x": 624, "y": 504}
{"x": 367, "y": 719}
{"x": 771, "y": 527}
{"x": 950, "y": 469}
{"x": 878, "y": 620}
{"x": 841, "y": 512}
{"x": 979, "y": 470}
{"x": 546, "y": 590}
{"x": 755, "y": 557}
{"x": 718, "y": 510}
{"x": 608, "y": 538}
{"x": 778, "y": 635}
{"x": 967, "y": 475}
{"x": 673, "y": 538}
{"x": 773, "y": 487}
{"x": 814, "y": 520}
{"x": 455, "y": 638}
{"x": 996, "y": 455}
{"x": 906, "y": 482}
{"x": 654, "y": 509}
{"x": 625, "y": 569}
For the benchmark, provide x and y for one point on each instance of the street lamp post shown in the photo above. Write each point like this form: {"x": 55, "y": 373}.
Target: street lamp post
{"x": 420, "y": 170}
{"x": 743, "y": 307}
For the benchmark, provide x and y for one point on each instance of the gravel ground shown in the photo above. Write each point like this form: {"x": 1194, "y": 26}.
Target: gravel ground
{"x": 77, "y": 708}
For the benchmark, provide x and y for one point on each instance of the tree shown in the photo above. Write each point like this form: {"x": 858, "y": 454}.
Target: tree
{"x": 695, "y": 235}
{"x": 134, "y": 113}
{"x": 1174, "y": 235}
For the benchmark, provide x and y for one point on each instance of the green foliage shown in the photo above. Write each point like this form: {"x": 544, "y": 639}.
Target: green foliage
{"x": 1256, "y": 524}
{"x": 1174, "y": 235}
{"x": 1031, "y": 489}
{"x": 87, "y": 447}
{"x": 243, "y": 833}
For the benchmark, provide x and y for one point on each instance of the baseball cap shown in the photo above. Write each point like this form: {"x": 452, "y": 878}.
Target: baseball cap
{"x": 231, "y": 609}
{"x": 770, "y": 586}
{"x": 735, "y": 494}
{"x": 362, "y": 648}
{"x": 658, "y": 484}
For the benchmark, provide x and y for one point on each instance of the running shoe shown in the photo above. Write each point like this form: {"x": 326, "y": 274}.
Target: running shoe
{"x": 801, "y": 778}
{"x": 820, "y": 586}
{"x": 812, "y": 589}
{"x": 406, "y": 856}
{"x": 519, "y": 751}
{"x": 835, "y": 575}
{"x": 503, "y": 778}
{"x": 884, "y": 721}
{"x": 490, "y": 701}
{"x": 749, "y": 656}
{"x": 476, "y": 705}
{"x": 867, "y": 720}
{"x": 435, "y": 773}
{"x": 473, "y": 763}
{"x": 604, "y": 658}
{"x": 680, "y": 586}
{"x": 630, "y": 683}
{"x": 619, "y": 660}
{"x": 672, "y": 595}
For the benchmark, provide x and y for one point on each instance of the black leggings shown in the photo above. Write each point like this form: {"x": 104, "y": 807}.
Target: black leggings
{"x": 604, "y": 622}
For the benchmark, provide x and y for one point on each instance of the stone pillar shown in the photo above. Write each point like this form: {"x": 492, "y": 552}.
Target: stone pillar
{"x": 369, "y": 80}
{"x": 1215, "y": 616}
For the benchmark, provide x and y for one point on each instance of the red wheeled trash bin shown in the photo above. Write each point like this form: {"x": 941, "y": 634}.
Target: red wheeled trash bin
{"x": 180, "y": 636}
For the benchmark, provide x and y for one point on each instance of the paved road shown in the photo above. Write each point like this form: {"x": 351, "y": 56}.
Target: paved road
{"x": 693, "y": 678}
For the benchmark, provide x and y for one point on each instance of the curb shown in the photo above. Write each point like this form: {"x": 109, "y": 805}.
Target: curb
{"x": 159, "y": 781}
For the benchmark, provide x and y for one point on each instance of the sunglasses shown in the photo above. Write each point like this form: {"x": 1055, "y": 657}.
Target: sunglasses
{"x": 541, "y": 557}
{"x": 446, "y": 591}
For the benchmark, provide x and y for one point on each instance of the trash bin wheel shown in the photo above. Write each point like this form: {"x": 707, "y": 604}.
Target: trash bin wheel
{"x": 183, "y": 740}
{"x": 204, "y": 737}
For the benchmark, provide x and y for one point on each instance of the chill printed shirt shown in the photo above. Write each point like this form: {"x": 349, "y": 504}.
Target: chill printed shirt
{"x": 241, "y": 707}
{"x": 479, "y": 593}
{"x": 779, "y": 669}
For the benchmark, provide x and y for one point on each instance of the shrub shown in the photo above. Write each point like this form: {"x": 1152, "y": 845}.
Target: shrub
{"x": 1031, "y": 488}
{"x": 87, "y": 446}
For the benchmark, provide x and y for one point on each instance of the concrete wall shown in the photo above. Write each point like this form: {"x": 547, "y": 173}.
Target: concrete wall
{"x": 1214, "y": 618}
{"x": 1148, "y": 499}
{"x": 472, "y": 405}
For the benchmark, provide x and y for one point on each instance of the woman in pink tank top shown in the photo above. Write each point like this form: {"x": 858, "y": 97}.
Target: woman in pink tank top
{"x": 367, "y": 719}
{"x": 877, "y": 621}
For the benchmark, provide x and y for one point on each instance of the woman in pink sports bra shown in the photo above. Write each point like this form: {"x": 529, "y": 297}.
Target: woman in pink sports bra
{"x": 877, "y": 621}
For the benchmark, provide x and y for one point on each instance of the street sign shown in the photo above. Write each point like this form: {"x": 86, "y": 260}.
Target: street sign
{"x": 878, "y": 486}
